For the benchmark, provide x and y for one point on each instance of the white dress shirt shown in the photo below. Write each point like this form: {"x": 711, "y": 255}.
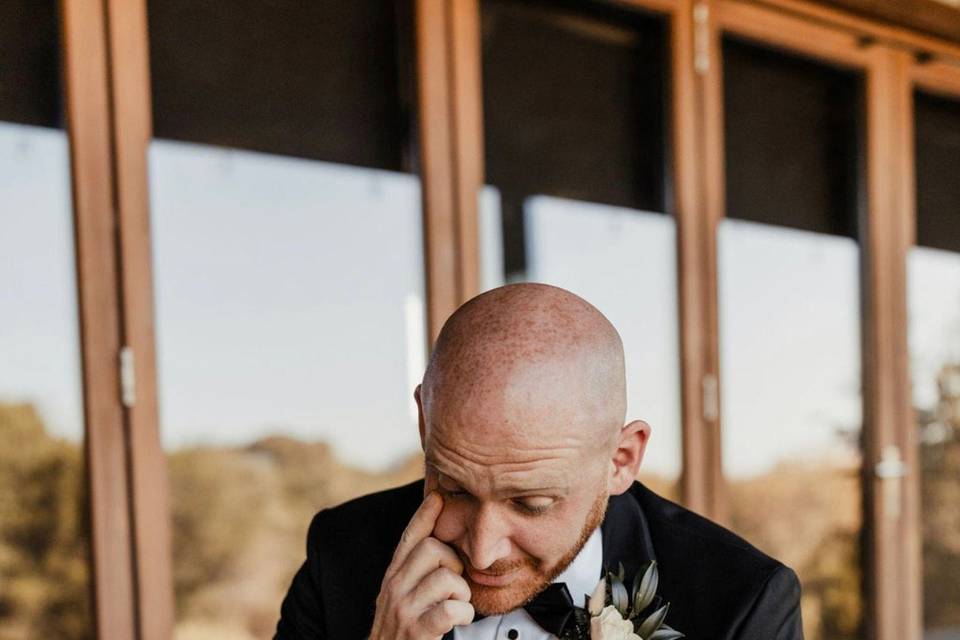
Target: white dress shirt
{"x": 580, "y": 577}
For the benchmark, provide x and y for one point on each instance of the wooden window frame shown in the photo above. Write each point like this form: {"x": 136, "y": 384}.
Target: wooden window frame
{"x": 888, "y": 563}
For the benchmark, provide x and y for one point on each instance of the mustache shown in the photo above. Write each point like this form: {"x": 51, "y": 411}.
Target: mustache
{"x": 498, "y": 568}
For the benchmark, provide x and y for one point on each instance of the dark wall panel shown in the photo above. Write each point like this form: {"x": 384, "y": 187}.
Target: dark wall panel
{"x": 30, "y": 63}
{"x": 938, "y": 172}
{"x": 573, "y": 103}
{"x": 311, "y": 79}
{"x": 792, "y": 139}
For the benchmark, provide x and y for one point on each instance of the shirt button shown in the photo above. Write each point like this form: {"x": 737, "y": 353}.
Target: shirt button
{"x": 512, "y": 634}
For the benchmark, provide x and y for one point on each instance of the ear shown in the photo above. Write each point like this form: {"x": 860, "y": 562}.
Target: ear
{"x": 416, "y": 396}
{"x": 625, "y": 463}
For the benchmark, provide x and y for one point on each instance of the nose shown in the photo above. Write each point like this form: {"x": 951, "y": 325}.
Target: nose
{"x": 487, "y": 537}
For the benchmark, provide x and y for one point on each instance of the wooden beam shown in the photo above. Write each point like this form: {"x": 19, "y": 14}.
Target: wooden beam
{"x": 88, "y": 125}
{"x": 937, "y": 77}
{"x": 891, "y": 504}
{"x": 781, "y": 30}
{"x": 828, "y": 14}
{"x": 131, "y": 115}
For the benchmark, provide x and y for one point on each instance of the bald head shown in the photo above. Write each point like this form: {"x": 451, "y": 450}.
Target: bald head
{"x": 527, "y": 356}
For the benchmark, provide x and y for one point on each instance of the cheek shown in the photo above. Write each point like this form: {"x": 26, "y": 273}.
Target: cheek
{"x": 450, "y": 525}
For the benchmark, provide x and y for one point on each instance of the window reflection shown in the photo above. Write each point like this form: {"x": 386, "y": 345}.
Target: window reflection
{"x": 44, "y": 576}
{"x": 791, "y": 408}
{"x": 934, "y": 295}
{"x": 290, "y": 338}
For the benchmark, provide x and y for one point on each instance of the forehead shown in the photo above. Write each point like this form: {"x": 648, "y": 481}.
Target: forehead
{"x": 497, "y": 466}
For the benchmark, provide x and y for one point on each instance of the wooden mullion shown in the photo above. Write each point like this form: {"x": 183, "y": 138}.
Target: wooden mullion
{"x": 88, "y": 126}
{"x": 466, "y": 106}
{"x": 890, "y": 505}
{"x": 130, "y": 97}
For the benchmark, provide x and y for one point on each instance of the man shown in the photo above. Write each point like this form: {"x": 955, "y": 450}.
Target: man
{"x": 529, "y": 483}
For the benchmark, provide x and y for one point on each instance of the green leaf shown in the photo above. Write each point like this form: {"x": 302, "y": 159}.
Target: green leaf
{"x": 653, "y": 622}
{"x": 618, "y": 593}
{"x": 648, "y": 588}
{"x": 621, "y": 573}
{"x": 666, "y": 634}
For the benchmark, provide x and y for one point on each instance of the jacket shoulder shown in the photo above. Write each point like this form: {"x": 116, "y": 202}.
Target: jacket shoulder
{"x": 672, "y": 522}
{"x": 702, "y": 562}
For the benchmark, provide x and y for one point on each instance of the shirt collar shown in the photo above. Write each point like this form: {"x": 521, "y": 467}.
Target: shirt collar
{"x": 582, "y": 574}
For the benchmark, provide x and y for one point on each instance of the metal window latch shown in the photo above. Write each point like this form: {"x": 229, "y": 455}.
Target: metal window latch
{"x": 891, "y": 469}
{"x": 127, "y": 380}
{"x": 701, "y": 38}
{"x": 711, "y": 400}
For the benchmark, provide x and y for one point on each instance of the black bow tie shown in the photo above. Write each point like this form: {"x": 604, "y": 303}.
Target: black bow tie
{"x": 552, "y": 608}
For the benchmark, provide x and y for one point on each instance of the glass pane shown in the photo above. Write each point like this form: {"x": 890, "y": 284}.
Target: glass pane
{"x": 792, "y": 411}
{"x": 319, "y": 80}
{"x": 934, "y": 295}
{"x": 938, "y": 165}
{"x": 789, "y": 301}
{"x": 44, "y": 536}
{"x": 45, "y": 579}
{"x": 564, "y": 85}
{"x": 289, "y": 286}
{"x": 573, "y": 107}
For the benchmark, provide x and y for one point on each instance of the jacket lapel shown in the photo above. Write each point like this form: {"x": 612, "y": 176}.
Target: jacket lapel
{"x": 626, "y": 535}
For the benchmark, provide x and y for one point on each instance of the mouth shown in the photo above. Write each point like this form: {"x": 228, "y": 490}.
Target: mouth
{"x": 492, "y": 579}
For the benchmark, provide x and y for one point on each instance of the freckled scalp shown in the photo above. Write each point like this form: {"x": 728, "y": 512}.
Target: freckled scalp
{"x": 527, "y": 357}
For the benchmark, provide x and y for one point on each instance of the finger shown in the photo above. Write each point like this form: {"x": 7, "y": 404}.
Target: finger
{"x": 429, "y": 555}
{"x": 419, "y": 527}
{"x": 440, "y": 585}
{"x": 444, "y": 616}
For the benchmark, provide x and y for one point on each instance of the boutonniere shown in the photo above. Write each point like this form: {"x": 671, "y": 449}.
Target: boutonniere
{"x": 614, "y": 613}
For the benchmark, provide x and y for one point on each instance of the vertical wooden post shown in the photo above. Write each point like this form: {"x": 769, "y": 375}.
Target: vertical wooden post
{"x": 131, "y": 127}
{"x": 891, "y": 553}
{"x": 698, "y": 166}
{"x": 108, "y": 114}
{"x": 466, "y": 108}
{"x": 451, "y": 151}
{"x": 436, "y": 170}
{"x": 88, "y": 126}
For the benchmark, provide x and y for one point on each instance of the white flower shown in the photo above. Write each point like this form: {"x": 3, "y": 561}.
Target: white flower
{"x": 595, "y": 605}
{"x": 610, "y": 625}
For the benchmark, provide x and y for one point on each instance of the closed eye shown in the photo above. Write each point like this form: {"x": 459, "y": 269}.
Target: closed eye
{"x": 534, "y": 507}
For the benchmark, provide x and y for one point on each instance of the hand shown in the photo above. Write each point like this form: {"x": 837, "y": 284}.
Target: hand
{"x": 423, "y": 594}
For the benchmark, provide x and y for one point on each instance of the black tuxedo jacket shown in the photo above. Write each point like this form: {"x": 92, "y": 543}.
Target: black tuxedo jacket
{"x": 719, "y": 587}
